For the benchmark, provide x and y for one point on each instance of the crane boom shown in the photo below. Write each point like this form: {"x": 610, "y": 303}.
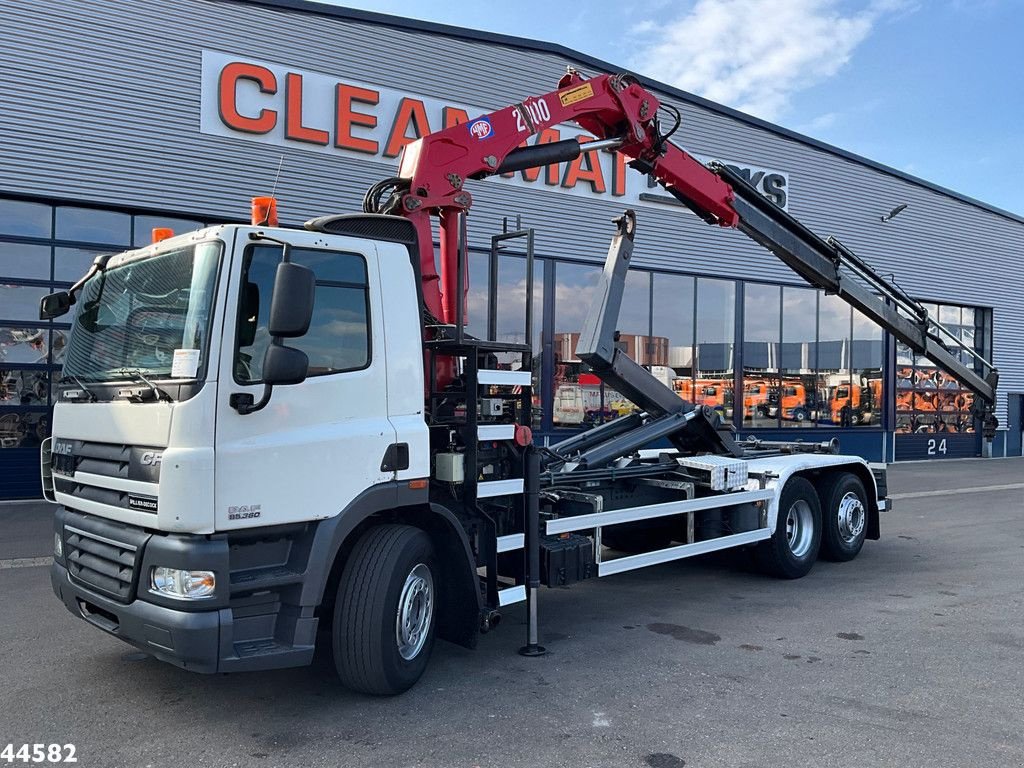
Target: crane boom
{"x": 623, "y": 116}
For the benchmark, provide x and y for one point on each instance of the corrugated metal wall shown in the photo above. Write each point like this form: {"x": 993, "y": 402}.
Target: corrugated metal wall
{"x": 101, "y": 103}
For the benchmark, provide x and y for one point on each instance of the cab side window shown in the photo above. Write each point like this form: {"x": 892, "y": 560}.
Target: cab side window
{"x": 339, "y": 334}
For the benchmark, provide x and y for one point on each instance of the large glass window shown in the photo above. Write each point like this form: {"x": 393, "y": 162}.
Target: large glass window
{"x": 25, "y": 261}
{"x": 672, "y": 317}
{"x": 24, "y": 428}
{"x": 928, "y": 399}
{"x": 580, "y": 397}
{"x": 24, "y": 386}
{"x": 868, "y": 385}
{"x": 808, "y": 359}
{"x": 761, "y": 337}
{"x": 24, "y": 345}
{"x": 577, "y": 394}
{"x": 92, "y": 225}
{"x": 715, "y": 332}
{"x": 834, "y": 361}
{"x": 25, "y": 219}
{"x": 799, "y": 401}
{"x": 20, "y": 303}
{"x": 339, "y": 335}
{"x": 510, "y": 313}
{"x": 70, "y": 264}
{"x": 476, "y": 295}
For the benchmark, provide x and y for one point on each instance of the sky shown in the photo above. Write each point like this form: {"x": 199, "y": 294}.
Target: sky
{"x": 930, "y": 87}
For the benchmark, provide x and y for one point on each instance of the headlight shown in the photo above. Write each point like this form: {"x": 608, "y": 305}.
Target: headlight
{"x": 183, "y": 585}
{"x": 58, "y": 545}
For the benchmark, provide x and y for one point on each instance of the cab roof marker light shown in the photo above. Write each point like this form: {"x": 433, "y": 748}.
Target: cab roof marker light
{"x": 264, "y": 211}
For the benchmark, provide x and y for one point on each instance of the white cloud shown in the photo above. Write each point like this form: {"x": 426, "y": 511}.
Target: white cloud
{"x": 753, "y": 54}
{"x": 821, "y": 122}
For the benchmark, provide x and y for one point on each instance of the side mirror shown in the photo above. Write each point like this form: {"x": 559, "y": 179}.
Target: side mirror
{"x": 291, "y": 306}
{"x": 284, "y": 365}
{"x": 55, "y": 305}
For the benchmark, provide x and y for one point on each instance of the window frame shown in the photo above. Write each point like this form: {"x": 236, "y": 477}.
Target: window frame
{"x": 365, "y": 287}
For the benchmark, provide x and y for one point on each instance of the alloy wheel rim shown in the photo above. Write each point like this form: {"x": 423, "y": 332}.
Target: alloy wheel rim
{"x": 851, "y": 517}
{"x": 799, "y": 528}
{"x": 415, "y": 611}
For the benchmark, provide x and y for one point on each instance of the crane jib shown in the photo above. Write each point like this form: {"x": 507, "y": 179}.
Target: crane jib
{"x": 819, "y": 262}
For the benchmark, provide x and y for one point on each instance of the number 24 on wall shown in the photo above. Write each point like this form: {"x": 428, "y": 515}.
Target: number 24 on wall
{"x": 936, "y": 447}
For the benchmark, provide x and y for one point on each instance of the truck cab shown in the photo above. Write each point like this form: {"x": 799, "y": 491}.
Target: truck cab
{"x": 188, "y": 510}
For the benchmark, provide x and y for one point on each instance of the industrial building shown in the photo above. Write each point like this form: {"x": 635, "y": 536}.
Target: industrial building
{"x": 122, "y": 117}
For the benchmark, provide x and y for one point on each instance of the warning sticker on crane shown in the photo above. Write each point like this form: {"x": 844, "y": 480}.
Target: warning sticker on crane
{"x": 579, "y": 93}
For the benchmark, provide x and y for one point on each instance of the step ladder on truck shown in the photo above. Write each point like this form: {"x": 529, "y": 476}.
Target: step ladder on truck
{"x": 229, "y": 485}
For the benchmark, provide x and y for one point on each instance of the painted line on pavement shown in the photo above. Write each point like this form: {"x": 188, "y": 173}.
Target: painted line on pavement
{"x": 25, "y": 562}
{"x": 954, "y": 491}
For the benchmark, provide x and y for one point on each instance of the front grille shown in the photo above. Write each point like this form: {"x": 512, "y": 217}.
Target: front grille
{"x": 72, "y": 461}
{"x": 101, "y": 563}
{"x": 114, "y": 498}
{"x": 128, "y": 462}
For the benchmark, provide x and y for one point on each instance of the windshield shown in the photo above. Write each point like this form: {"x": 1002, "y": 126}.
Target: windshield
{"x": 150, "y": 315}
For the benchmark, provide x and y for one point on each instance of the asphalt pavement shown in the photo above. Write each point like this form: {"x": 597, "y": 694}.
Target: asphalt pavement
{"x": 911, "y": 655}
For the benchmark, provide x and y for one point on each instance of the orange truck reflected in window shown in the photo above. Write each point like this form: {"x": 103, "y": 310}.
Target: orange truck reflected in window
{"x": 853, "y": 404}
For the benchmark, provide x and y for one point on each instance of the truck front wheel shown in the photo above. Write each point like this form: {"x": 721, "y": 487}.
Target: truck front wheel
{"x": 385, "y": 613}
{"x": 791, "y": 551}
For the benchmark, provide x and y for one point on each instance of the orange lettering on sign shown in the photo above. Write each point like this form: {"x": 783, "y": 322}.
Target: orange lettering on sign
{"x": 585, "y": 168}
{"x": 294, "y": 129}
{"x": 453, "y": 116}
{"x": 227, "y": 97}
{"x": 411, "y": 114}
{"x": 619, "y": 174}
{"x": 346, "y": 117}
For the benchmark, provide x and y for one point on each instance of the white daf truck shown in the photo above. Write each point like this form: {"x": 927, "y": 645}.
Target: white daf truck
{"x": 264, "y": 434}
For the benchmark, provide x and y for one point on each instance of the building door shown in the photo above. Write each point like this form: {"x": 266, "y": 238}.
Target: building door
{"x": 1015, "y": 424}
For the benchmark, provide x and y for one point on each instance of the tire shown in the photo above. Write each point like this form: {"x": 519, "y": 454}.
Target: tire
{"x": 844, "y": 517}
{"x": 791, "y": 551}
{"x": 799, "y": 415}
{"x": 391, "y": 566}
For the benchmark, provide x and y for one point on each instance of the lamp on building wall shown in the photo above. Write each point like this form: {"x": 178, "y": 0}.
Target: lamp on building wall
{"x": 894, "y": 212}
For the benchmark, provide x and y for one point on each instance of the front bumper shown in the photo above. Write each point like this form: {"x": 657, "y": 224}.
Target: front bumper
{"x": 247, "y": 626}
{"x": 185, "y": 639}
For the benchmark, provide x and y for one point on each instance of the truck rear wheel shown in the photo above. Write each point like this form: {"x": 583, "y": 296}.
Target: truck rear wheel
{"x": 385, "y": 613}
{"x": 791, "y": 551}
{"x": 845, "y": 513}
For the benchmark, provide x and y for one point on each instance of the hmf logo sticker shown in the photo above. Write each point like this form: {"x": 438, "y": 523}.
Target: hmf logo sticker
{"x": 481, "y": 128}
